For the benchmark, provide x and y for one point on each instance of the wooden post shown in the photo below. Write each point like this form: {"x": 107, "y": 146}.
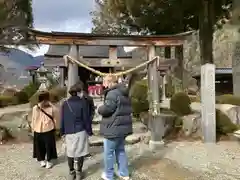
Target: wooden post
{"x": 156, "y": 123}
{"x": 180, "y": 67}
{"x": 161, "y": 83}
{"x": 170, "y": 82}
{"x": 62, "y": 76}
{"x": 112, "y": 56}
{"x": 72, "y": 67}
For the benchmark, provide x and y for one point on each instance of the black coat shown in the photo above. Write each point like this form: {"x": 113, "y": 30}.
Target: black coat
{"x": 116, "y": 113}
{"x": 75, "y": 116}
{"x": 90, "y": 105}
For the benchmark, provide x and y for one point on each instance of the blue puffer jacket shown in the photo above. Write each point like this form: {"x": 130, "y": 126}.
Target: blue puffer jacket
{"x": 116, "y": 113}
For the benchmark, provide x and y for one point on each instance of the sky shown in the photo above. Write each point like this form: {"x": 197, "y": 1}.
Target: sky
{"x": 61, "y": 15}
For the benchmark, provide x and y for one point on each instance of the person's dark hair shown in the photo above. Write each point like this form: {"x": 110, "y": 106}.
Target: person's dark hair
{"x": 44, "y": 99}
{"x": 76, "y": 88}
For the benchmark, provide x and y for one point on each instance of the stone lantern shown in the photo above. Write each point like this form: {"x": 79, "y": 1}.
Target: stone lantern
{"x": 42, "y": 73}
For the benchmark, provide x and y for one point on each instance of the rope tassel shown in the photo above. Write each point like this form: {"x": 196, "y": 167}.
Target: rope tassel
{"x": 73, "y": 60}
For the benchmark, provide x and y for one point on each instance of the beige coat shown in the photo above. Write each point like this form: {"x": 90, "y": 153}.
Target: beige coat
{"x": 41, "y": 122}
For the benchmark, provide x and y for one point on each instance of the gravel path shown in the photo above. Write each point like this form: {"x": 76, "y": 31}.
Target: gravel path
{"x": 220, "y": 160}
{"x": 178, "y": 161}
{"x": 14, "y": 109}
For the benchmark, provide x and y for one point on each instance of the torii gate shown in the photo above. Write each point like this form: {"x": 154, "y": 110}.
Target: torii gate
{"x": 149, "y": 43}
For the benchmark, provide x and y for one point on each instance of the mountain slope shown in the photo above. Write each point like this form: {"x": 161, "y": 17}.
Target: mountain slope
{"x": 14, "y": 62}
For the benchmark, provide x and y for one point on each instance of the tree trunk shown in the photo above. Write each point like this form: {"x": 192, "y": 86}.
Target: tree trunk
{"x": 235, "y": 22}
{"x": 206, "y": 31}
{"x": 236, "y": 13}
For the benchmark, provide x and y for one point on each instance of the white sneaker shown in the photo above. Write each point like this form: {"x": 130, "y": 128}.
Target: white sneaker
{"x": 42, "y": 163}
{"x": 124, "y": 178}
{"x": 49, "y": 165}
{"x": 103, "y": 176}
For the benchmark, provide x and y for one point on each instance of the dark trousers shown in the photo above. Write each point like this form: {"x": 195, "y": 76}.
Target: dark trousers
{"x": 44, "y": 144}
{"x": 79, "y": 160}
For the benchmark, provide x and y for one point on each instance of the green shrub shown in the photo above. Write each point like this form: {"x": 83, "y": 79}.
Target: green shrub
{"x": 9, "y": 92}
{"x": 166, "y": 111}
{"x": 180, "y": 104}
{"x": 31, "y": 89}
{"x": 228, "y": 99}
{"x": 21, "y": 97}
{"x": 139, "y": 97}
{"x": 6, "y": 101}
{"x": 56, "y": 94}
{"x": 195, "y": 98}
{"x": 223, "y": 124}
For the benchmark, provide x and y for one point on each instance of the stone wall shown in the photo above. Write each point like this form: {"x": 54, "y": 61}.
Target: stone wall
{"x": 223, "y": 45}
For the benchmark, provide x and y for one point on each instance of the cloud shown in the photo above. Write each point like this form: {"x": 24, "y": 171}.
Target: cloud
{"x": 56, "y": 14}
{"x": 61, "y": 15}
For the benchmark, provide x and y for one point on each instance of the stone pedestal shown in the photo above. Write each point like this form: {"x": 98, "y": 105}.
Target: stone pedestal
{"x": 208, "y": 103}
{"x": 159, "y": 126}
{"x": 156, "y": 145}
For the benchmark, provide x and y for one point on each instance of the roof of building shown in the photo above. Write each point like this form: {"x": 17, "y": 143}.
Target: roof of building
{"x": 86, "y": 51}
{"x": 223, "y": 71}
{"x": 99, "y": 36}
{"x": 219, "y": 71}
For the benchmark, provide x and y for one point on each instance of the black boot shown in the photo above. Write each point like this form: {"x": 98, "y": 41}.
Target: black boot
{"x": 79, "y": 173}
{"x": 72, "y": 175}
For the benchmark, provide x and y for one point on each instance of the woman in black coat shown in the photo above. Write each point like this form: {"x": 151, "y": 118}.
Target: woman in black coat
{"x": 76, "y": 126}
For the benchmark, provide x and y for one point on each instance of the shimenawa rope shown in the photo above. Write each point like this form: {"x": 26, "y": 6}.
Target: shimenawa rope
{"x": 73, "y": 60}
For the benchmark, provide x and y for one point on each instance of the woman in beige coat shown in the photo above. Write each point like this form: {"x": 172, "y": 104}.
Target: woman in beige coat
{"x": 45, "y": 118}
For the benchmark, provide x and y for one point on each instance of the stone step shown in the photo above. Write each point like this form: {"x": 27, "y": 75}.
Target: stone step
{"x": 131, "y": 139}
{"x": 138, "y": 127}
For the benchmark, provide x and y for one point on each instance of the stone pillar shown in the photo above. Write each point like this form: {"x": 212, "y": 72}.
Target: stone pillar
{"x": 73, "y": 77}
{"x": 156, "y": 123}
{"x": 236, "y": 68}
{"x": 208, "y": 103}
{"x": 173, "y": 53}
{"x": 163, "y": 87}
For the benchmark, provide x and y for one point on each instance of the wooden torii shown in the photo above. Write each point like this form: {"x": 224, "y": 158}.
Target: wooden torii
{"x": 147, "y": 42}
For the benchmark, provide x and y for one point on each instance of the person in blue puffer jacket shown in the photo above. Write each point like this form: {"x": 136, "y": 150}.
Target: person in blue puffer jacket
{"x": 115, "y": 126}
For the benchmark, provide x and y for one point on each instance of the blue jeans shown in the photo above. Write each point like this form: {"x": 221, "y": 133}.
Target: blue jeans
{"x": 114, "y": 149}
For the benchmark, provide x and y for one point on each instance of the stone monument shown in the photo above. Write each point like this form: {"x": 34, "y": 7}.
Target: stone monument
{"x": 208, "y": 103}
